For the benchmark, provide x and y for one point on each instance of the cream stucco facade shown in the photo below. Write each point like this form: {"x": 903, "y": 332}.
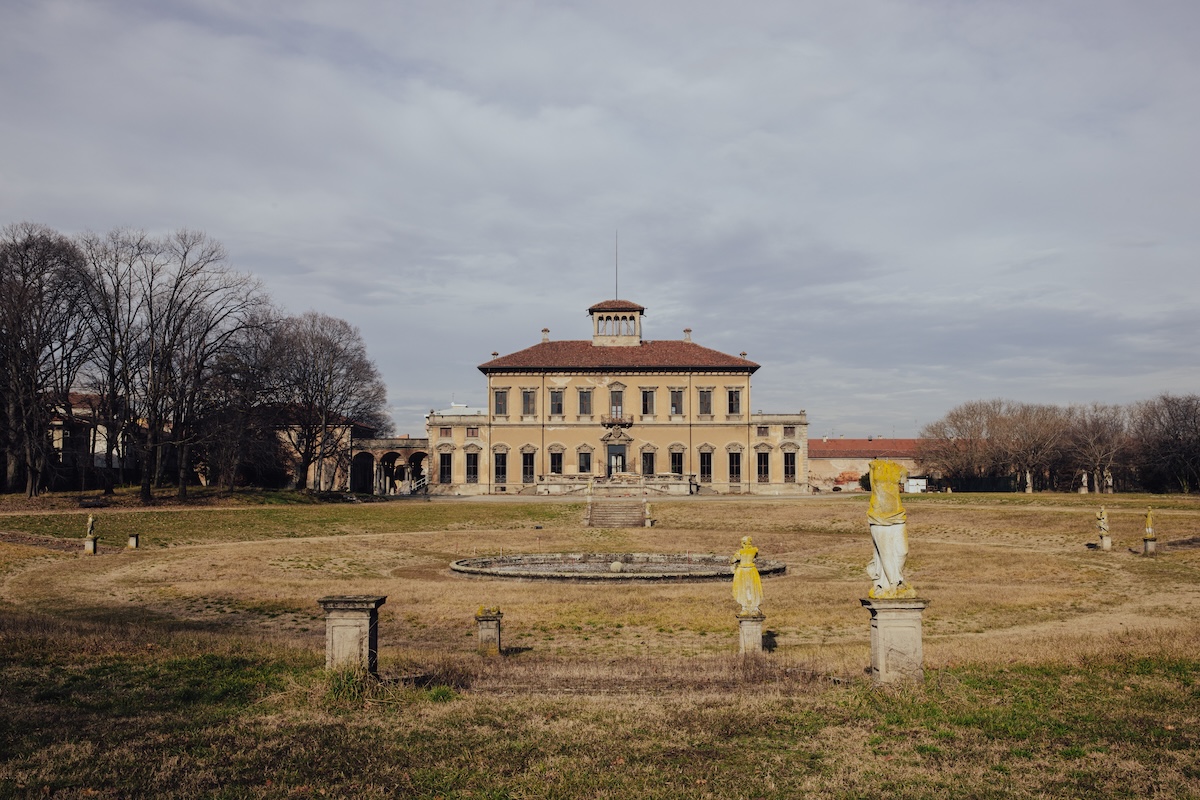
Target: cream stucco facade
{"x": 617, "y": 411}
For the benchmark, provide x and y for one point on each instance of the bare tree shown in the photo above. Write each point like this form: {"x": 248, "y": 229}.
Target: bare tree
{"x": 1166, "y": 436}
{"x": 328, "y": 385}
{"x": 1097, "y": 441}
{"x": 1029, "y": 437}
{"x": 113, "y": 306}
{"x": 960, "y": 445}
{"x": 42, "y": 341}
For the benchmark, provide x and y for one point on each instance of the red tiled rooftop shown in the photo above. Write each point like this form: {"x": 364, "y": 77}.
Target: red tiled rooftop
{"x": 863, "y": 448}
{"x": 616, "y": 305}
{"x": 575, "y": 355}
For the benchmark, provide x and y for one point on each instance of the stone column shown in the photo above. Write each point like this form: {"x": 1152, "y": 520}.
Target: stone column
{"x": 1105, "y": 542}
{"x": 1149, "y": 545}
{"x": 488, "y": 620}
{"x": 133, "y": 541}
{"x": 896, "y": 639}
{"x": 750, "y": 632}
{"x": 89, "y": 546}
{"x": 352, "y": 631}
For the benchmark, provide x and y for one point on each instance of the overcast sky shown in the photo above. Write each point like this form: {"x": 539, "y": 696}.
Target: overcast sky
{"x": 894, "y": 207}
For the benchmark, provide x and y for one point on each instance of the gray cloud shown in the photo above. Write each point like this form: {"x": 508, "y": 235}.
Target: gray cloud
{"x": 894, "y": 207}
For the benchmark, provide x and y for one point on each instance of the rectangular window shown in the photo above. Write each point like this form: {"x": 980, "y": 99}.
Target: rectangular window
{"x": 444, "y": 433}
{"x": 764, "y": 430}
{"x": 501, "y": 402}
{"x": 676, "y": 463}
{"x": 501, "y": 461}
{"x": 585, "y": 402}
{"x": 706, "y": 467}
{"x": 527, "y": 467}
{"x": 677, "y": 401}
{"x": 473, "y": 432}
{"x": 529, "y": 402}
{"x": 472, "y": 467}
{"x": 735, "y": 401}
{"x": 706, "y": 401}
{"x": 647, "y": 463}
{"x": 585, "y": 463}
{"x": 789, "y": 431}
{"x": 735, "y": 467}
{"x": 556, "y": 402}
{"x": 616, "y": 403}
{"x": 444, "y": 467}
{"x": 647, "y": 401}
{"x": 789, "y": 467}
{"x": 556, "y": 464}
{"x": 764, "y": 467}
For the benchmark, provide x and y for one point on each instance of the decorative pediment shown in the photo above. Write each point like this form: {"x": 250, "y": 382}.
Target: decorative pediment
{"x": 616, "y": 436}
{"x": 472, "y": 448}
{"x": 616, "y": 385}
{"x": 528, "y": 448}
{"x": 789, "y": 447}
{"x": 763, "y": 447}
{"x": 445, "y": 447}
{"x": 585, "y": 448}
{"x": 556, "y": 448}
{"x": 706, "y": 448}
{"x": 500, "y": 448}
{"x": 734, "y": 447}
{"x": 649, "y": 448}
{"x": 677, "y": 447}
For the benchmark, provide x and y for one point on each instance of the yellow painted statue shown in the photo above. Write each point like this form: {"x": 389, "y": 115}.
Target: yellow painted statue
{"x": 747, "y": 585}
{"x": 1149, "y": 523}
{"x": 889, "y": 534}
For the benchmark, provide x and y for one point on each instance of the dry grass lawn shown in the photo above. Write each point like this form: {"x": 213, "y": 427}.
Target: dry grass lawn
{"x": 1053, "y": 669}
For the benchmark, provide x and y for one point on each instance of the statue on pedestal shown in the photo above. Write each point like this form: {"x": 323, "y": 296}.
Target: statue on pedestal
{"x": 747, "y": 585}
{"x": 1149, "y": 523}
{"x": 888, "y": 531}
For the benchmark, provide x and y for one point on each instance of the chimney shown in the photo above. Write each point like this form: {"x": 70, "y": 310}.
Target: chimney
{"x": 687, "y": 334}
{"x": 742, "y": 354}
{"x": 495, "y": 354}
{"x": 545, "y": 334}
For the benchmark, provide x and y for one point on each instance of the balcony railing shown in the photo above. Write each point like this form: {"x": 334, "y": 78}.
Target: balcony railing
{"x": 616, "y": 421}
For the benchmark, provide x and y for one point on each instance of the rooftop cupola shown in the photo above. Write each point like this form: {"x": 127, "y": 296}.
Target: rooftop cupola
{"x": 616, "y": 323}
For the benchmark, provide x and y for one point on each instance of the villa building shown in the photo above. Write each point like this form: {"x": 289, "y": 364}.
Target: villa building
{"x": 617, "y": 411}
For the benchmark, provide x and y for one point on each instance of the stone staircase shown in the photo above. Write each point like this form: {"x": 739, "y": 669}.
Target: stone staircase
{"x": 610, "y": 513}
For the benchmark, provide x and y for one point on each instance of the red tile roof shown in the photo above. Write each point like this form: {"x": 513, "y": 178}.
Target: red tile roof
{"x": 616, "y": 305}
{"x": 583, "y": 356}
{"x": 863, "y": 448}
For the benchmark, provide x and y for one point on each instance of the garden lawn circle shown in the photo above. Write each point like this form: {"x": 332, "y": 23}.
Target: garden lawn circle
{"x": 609, "y": 567}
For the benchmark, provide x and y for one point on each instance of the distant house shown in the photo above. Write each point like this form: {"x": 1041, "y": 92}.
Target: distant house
{"x": 840, "y": 462}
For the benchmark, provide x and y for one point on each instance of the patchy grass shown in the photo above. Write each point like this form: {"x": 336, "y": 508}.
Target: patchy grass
{"x": 195, "y": 668}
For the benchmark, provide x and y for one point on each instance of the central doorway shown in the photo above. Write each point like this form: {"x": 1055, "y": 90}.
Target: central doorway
{"x": 616, "y": 459}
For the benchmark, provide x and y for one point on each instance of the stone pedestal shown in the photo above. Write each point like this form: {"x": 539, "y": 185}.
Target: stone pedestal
{"x": 896, "y": 639}
{"x": 750, "y": 631}
{"x": 352, "y": 631}
{"x": 89, "y": 546}
{"x": 488, "y": 620}
{"x": 1149, "y": 546}
{"x": 1105, "y": 542}
{"x": 133, "y": 541}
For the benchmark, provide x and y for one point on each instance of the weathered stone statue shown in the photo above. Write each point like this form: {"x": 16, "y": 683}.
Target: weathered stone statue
{"x": 747, "y": 585}
{"x": 1149, "y": 523}
{"x": 888, "y": 531}
{"x": 91, "y": 527}
{"x": 1102, "y": 521}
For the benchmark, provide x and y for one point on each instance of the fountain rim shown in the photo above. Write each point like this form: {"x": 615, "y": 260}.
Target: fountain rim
{"x": 508, "y": 567}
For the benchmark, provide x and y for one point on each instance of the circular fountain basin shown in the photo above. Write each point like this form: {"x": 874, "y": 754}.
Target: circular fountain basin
{"x": 609, "y": 566}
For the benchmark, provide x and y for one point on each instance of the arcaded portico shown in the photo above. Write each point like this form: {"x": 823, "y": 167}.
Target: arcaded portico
{"x": 669, "y": 416}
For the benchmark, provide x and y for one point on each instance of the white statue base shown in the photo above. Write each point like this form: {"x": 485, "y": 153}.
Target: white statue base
{"x": 896, "y": 653}
{"x": 1105, "y": 542}
{"x": 750, "y": 634}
